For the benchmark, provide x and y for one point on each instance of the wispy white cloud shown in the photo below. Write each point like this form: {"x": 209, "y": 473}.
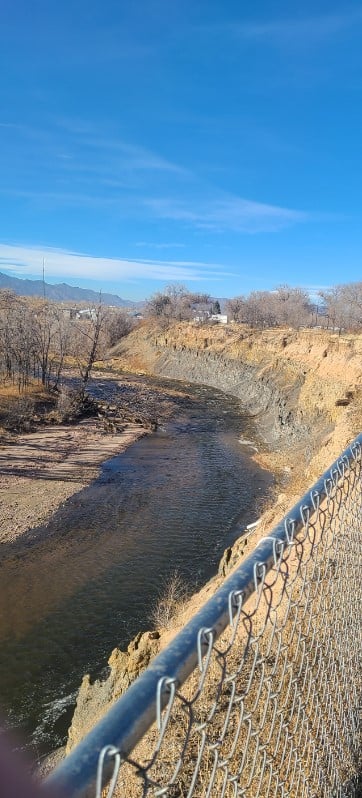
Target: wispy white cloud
{"x": 221, "y": 214}
{"x": 228, "y": 213}
{"x": 74, "y": 157}
{"x": 69, "y": 198}
{"x": 296, "y": 30}
{"x": 136, "y": 157}
{"x": 131, "y": 155}
{"x": 93, "y": 169}
{"x": 59, "y": 263}
{"x": 159, "y": 245}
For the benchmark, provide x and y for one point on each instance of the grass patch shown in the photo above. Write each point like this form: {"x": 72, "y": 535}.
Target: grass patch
{"x": 19, "y": 411}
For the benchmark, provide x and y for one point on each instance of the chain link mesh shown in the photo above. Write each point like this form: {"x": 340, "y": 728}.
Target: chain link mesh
{"x": 273, "y": 707}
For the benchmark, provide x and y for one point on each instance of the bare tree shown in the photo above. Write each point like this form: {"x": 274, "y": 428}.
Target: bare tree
{"x": 159, "y": 306}
{"x": 283, "y": 306}
{"x": 44, "y": 337}
{"x": 235, "y": 308}
{"x": 344, "y": 306}
{"x": 17, "y": 350}
{"x": 175, "y": 303}
{"x": 89, "y": 340}
{"x": 258, "y": 309}
{"x": 37, "y": 335}
{"x": 118, "y": 325}
{"x": 292, "y": 306}
{"x": 62, "y": 341}
{"x": 353, "y": 295}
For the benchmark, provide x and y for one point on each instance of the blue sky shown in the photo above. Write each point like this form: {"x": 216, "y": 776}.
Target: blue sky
{"x": 211, "y": 142}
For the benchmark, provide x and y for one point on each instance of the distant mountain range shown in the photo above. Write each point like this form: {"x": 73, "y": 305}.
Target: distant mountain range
{"x": 61, "y": 292}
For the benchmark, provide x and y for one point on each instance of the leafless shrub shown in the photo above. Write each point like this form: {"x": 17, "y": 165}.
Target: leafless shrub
{"x": 173, "y": 595}
{"x": 20, "y": 415}
{"x": 118, "y": 326}
{"x": 70, "y": 405}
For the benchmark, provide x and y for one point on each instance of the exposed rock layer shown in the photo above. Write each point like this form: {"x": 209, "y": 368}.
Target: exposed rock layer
{"x": 305, "y": 388}
{"x": 296, "y": 383}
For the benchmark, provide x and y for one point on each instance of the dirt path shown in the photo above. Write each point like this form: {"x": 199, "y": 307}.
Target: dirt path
{"x": 42, "y": 469}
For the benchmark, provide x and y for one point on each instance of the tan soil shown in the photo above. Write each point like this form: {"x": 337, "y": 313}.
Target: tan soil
{"x": 42, "y": 469}
{"x": 329, "y": 369}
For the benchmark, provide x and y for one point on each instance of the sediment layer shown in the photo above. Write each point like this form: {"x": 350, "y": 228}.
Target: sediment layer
{"x": 305, "y": 390}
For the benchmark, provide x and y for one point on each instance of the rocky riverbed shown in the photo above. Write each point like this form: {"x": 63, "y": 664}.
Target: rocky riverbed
{"x": 305, "y": 390}
{"x": 86, "y": 579}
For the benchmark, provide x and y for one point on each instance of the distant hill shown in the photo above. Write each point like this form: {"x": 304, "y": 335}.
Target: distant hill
{"x": 61, "y": 292}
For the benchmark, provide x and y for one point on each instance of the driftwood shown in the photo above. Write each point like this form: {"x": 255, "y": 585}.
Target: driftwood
{"x": 115, "y": 417}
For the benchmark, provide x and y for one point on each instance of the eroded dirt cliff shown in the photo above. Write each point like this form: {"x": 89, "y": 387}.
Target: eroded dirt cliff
{"x": 304, "y": 387}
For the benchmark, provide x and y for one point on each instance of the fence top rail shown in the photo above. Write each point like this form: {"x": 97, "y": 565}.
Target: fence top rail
{"x": 132, "y": 715}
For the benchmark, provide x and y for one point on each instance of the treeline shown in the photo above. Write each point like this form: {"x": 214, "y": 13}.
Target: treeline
{"x": 37, "y": 338}
{"x": 337, "y": 308}
{"x": 283, "y": 307}
{"x": 175, "y": 302}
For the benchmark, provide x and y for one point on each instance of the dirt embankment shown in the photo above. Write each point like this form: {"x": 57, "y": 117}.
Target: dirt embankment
{"x": 40, "y": 470}
{"x": 305, "y": 388}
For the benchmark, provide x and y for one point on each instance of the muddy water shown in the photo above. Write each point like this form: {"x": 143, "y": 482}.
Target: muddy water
{"x": 87, "y": 582}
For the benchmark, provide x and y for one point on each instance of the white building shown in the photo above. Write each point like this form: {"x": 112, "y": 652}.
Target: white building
{"x": 220, "y": 318}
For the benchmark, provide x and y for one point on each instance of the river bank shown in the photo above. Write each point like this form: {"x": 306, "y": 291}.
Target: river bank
{"x": 75, "y": 587}
{"x": 304, "y": 389}
{"x": 307, "y": 405}
{"x": 40, "y": 470}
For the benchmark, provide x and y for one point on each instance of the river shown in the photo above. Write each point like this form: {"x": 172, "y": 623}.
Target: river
{"x": 173, "y": 501}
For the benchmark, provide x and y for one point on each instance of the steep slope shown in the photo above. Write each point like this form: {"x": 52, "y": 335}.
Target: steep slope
{"x": 305, "y": 387}
{"x": 301, "y": 385}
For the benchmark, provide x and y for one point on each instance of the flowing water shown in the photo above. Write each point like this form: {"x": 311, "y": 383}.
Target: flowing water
{"x": 173, "y": 501}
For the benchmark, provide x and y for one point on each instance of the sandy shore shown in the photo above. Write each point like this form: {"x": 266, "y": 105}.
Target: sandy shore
{"x": 40, "y": 470}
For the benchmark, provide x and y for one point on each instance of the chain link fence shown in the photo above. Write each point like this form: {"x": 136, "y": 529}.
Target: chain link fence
{"x": 259, "y": 695}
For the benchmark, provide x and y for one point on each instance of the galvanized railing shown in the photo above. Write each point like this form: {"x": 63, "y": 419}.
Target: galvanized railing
{"x": 259, "y": 694}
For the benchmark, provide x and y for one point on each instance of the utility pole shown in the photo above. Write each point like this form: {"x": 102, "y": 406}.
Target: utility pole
{"x": 44, "y": 279}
